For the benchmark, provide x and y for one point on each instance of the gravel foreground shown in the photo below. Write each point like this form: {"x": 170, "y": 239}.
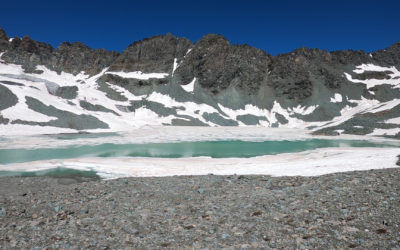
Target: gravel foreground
{"x": 343, "y": 210}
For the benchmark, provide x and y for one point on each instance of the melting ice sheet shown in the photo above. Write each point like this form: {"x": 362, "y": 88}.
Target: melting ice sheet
{"x": 308, "y": 163}
{"x": 167, "y": 134}
{"x": 213, "y": 149}
{"x": 166, "y": 151}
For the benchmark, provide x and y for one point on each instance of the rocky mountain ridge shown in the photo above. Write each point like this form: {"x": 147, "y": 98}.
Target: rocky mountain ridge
{"x": 166, "y": 80}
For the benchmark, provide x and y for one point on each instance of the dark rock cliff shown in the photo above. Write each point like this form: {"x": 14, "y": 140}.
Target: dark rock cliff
{"x": 71, "y": 58}
{"x": 215, "y": 62}
{"x": 154, "y": 54}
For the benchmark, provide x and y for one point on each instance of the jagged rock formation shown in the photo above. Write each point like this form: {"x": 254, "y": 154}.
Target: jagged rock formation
{"x": 220, "y": 65}
{"x": 154, "y": 54}
{"x": 165, "y": 80}
{"x": 71, "y": 58}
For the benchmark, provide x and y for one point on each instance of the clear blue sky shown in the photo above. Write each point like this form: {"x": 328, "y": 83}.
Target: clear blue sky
{"x": 275, "y": 26}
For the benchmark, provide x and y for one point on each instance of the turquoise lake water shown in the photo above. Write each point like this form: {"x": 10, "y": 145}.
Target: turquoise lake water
{"x": 215, "y": 149}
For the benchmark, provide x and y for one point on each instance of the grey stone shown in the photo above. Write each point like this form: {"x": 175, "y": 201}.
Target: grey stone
{"x": 85, "y": 210}
{"x": 7, "y": 98}
{"x": 2, "y": 212}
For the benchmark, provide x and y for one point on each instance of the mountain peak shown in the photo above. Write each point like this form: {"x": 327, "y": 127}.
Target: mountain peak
{"x": 157, "y": 38}
{"x": 153, "y": 54}
{"x": 3, "y": 35}
{"x": 213, "y": 39}
{"x": 396, "y": 45}
{"x": 74, "y": 45}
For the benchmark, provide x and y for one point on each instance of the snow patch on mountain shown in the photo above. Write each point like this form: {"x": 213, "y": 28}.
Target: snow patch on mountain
{"x": 270, "y": 115}
{"x": 371, "y": 67}
{"x": 302, "y": 110}
{"x": 187, "y": 52}
{"x": 348, "y": 112}
{"x": 143, "y": 116}
{"x": 190, "y": 86}
{"x": 175, "y": 66}
{"x": 87, "y": 91}
{"x": 139, "y": 75}
{"x": 393, "y": 120}
{"x": 21, "y": 111}
{"x": 380, "y": 132}
{"x": 337, "y": 98}
{"x": 192, "y": 109}
{"x": 124, "y": 92}
{"x": 394, "y": 75}
{"x": 122, "y": 116}
{"x": 379, "y": 107}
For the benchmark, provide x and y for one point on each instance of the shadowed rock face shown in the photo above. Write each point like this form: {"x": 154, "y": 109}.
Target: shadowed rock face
{"x": 155, "y": 54}
{"x": 77, "y": 57}
{"x": 70, "y": 58}
{"x": 353, "y": 57}
{"x": 3, "y": 40}
{"x": 218, "y": 64}
{"x": 3, "y": 35}
{"x": 28, "y": 53}
{"x": 389, "y": 56}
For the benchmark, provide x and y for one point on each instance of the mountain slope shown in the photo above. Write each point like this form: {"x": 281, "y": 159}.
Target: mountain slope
{"x": 165, "y": 80}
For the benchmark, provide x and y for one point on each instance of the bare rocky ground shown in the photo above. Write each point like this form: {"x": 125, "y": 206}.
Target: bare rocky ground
{"x": 344, "y": 210}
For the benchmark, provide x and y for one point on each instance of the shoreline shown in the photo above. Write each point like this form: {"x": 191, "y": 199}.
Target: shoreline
{"x": 306, "y": 163}
{"x": 342, "y": 210}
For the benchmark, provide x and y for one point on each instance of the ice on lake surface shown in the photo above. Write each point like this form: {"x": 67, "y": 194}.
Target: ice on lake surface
{"x": 213, "y": 149}
{"x": 159, "y": 152}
